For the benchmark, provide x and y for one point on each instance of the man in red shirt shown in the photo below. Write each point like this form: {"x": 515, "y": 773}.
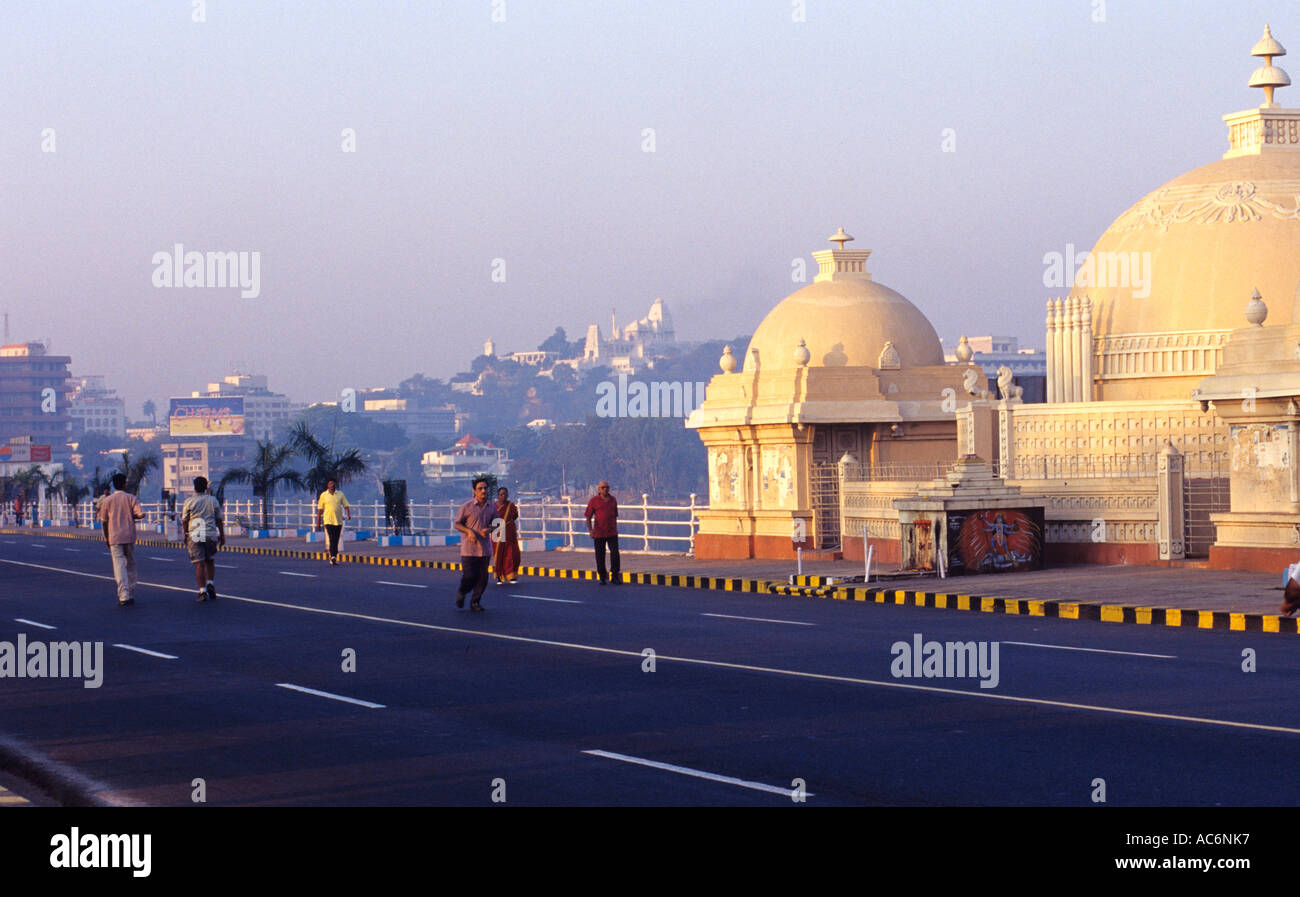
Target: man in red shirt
{"x": 602, "y": 524}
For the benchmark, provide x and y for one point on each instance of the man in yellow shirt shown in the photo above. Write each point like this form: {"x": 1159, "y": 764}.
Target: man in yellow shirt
{"x": 331, "y": 509}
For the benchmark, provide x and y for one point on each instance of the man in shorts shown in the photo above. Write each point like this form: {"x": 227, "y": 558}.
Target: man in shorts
{"x": 202, "y": 530}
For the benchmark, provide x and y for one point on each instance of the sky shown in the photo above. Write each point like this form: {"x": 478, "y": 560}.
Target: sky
{"x": 416, "y": 177}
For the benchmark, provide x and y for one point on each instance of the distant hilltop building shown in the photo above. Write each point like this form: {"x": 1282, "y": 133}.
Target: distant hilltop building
{"x": 632, "y": 343}
{"x": 627, "y": 349}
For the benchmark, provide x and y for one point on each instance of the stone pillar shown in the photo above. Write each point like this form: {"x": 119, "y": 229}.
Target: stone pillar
{"x": 1051, "y": 353}
{"x": 976, "y": 429}
{"x": 1169, "y": 501}
{"x": 1085, "y": 340}
{"x": 1067, "y": 353}
{"x": 1007, "y": 438}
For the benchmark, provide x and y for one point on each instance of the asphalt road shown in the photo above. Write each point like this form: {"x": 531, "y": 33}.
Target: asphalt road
{"x": 548, "y": 698}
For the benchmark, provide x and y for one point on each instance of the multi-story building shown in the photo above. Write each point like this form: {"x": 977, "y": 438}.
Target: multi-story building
{"x": 263, "y": 409}
{"x": 210, "y": 458}
{"x": 466, "y": 459}
{"x": 35, "y": 395}
{"x": 431, "y": 425}
{"x": 97, "y": 408}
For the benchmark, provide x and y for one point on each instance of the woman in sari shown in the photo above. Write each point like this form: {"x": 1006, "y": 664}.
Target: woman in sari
{"x": 505, "y": 551}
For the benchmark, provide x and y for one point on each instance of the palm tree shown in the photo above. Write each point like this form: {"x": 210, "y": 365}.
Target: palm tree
{"x": 325, "y": 464}
{"x": 73, "y": 493}
{"x": 267, "y": 472}
{"x": 136, "y": 471}
{"x": 52, "y": 484}
{"x": 24, "y": 482}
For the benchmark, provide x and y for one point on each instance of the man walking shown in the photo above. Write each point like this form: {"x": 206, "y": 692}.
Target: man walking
{"x": 602, "y": 524}
{"x": 118, "y": 514}
{"x": 332, "y": 508}
{"x": 474, "y": 522}
{"x": 202, "y": 530}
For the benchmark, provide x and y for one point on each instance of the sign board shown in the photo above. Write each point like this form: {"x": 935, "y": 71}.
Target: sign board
{"x": 207, "y": 416}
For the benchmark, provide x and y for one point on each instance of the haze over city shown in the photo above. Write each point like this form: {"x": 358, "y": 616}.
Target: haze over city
{"x": 521, "y": 131}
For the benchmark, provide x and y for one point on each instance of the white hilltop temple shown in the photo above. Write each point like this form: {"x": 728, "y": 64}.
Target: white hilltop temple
{"x": 1172, "y": 423}
{"x": 628, "y": 347}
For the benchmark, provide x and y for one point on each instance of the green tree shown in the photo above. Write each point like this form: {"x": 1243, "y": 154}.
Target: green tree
{"x": 267, "y": 472}
{"x": 326, "y": 463}
{"x": 137, "y": 469}
{"x": 73, "y": 493}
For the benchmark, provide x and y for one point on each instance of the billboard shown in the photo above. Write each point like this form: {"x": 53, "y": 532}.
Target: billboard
{"x": 207, "y": 416}
{"x": 25, "y": 453}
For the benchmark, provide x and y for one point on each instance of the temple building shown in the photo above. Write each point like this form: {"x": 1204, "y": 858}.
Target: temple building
{"x": 844, "y": 368}
{"x": 1172, "y": 422}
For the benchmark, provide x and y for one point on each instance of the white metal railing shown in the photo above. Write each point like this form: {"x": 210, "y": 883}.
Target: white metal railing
{"x": 643, "y": 527}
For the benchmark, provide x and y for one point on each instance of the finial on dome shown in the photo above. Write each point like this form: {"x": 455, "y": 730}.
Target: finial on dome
{"x": 840, "y": 237}
{"x": 964, "y": 353}
{"x": 728, "y": 361}
{"x": 1268, "y": 45}
{"x": 1268, "y": 76}
{"x": 801, "y": 354}
{"x": 1256, "y": 310}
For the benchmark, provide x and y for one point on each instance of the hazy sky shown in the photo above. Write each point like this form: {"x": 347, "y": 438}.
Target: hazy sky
{"x": 523, "y": 140}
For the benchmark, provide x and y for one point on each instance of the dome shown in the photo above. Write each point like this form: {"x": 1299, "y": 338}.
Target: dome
{"x": 1214, "y": 235}
{"x": 845, "y": 320}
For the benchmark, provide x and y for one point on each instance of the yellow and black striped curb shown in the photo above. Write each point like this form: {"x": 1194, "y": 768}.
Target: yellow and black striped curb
{"x": 819, "y": 587}
{"x": 9, "y": 799}
{"x": 1077, "y": 610}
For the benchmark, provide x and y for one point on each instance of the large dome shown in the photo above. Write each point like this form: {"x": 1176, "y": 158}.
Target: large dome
{"x": 1213, "y": 235}
{"x": 844, "y": 321}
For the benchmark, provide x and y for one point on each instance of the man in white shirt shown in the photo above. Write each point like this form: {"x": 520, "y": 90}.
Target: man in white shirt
{"x": 202, "y": 530}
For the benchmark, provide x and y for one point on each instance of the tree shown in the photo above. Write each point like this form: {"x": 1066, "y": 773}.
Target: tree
{"x": 325, "y": 463}
{"x": 53, "y": 485}
{"x": 24, "y": 483}
{"x": 137, "y": 470}
{"x": 268, "y": 472}
{"x": 557, "y": 342}
{"x": 73, "y": 493}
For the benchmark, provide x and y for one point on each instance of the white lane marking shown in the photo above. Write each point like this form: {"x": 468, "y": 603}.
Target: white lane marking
{"x": 38, "y": 544}
{"x": 227, "y": 566}
{"x": 304, "y": 575}
{"x": 1093, "y": 650}
{"x": 718, "y": 664}
{"x": 34, "y": 623}
{"x": 540, "y": 598}
{"x": 147, "y": 651}
{"x": 11, "y": 541}
{"x": 409, "y": 585}
{"x": 759, "y": 619}
{"x": 155, "y": 558}
{"x": 72, "y": 549}
{"x": 332, "y": 697}
{"x": 697, "y": 773}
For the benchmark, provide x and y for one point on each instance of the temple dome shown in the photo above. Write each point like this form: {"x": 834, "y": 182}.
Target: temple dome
{"x": 1213, "y": 234}
{"x": 1171, "y": 277}
{"x": 844, "y": 318}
